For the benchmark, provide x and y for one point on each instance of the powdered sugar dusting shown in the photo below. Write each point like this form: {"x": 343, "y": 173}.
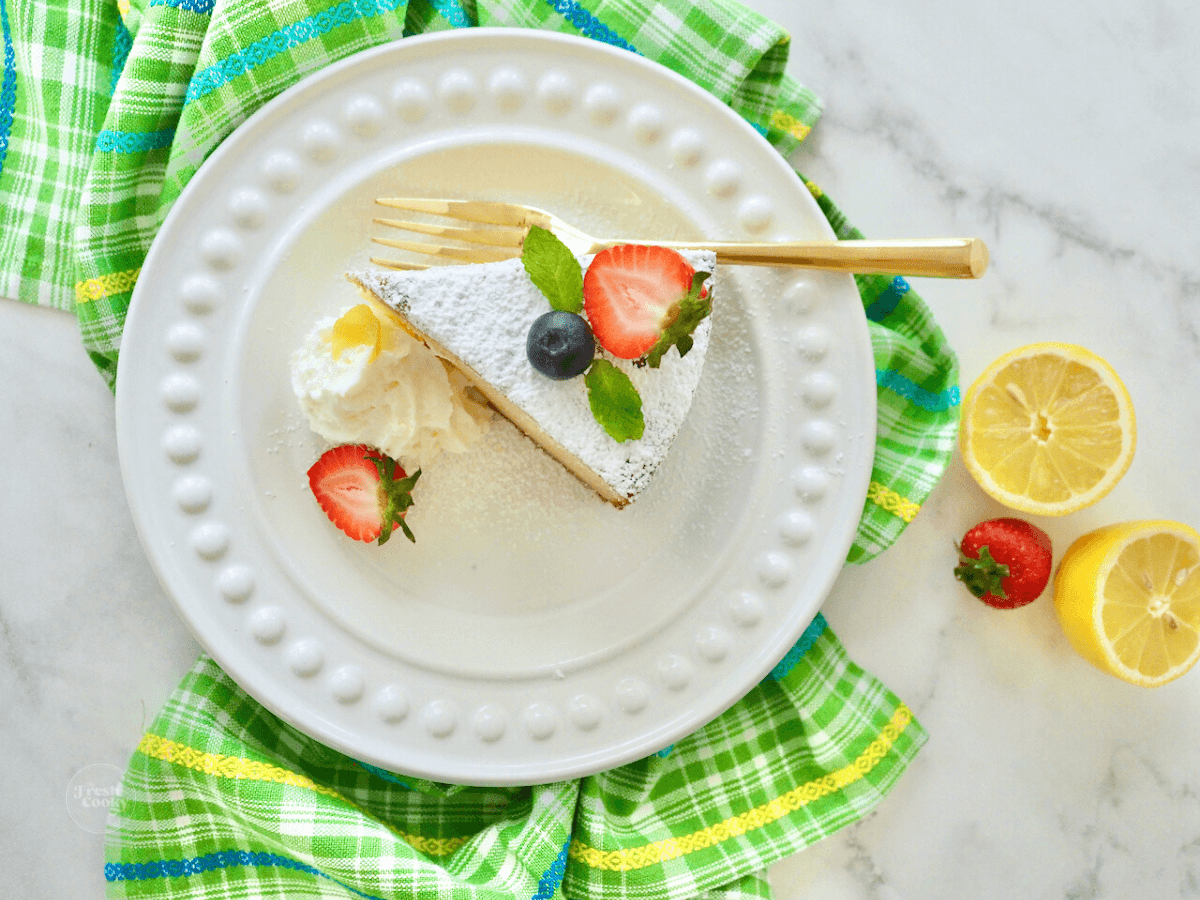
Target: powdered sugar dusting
{"x": 482, "y": 314}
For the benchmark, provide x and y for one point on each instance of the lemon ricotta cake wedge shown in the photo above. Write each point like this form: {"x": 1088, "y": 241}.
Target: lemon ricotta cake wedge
{"x": 478, "y": 318}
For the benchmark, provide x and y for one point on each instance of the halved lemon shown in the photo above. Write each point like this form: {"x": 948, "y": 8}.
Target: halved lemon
{"x": 1128, "y": 597}
{"x": 1048, "y": 429}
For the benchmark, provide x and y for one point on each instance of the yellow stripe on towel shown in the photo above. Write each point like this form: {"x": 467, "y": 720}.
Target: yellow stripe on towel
{"x": 771, "y": 811}
{"x": 240, "y": 768}
{"x": 106, "y": 285}
{"x": 890, "y": 501}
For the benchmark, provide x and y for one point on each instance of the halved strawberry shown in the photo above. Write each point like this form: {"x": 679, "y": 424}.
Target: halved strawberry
{"x": 632, "y": 295}
{"x": 364, "y": 492}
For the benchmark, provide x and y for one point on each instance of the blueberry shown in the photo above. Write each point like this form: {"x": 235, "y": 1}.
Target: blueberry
{"x": 560, "y": 344}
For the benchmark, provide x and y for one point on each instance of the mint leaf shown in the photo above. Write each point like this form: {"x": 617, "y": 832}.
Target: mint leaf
{"x": 693, "y": 309}
{"x": 554, "y": 269}
{"x": 615, "y": 402}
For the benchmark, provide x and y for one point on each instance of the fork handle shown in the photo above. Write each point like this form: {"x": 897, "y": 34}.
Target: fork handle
{"x": 936, "y": 257}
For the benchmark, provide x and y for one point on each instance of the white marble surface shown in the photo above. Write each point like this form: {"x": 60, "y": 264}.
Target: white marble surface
{"x": 1068, "y": 136}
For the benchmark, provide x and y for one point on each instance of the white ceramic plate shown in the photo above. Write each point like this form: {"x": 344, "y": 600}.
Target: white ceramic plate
{"x": 533, "y": 633}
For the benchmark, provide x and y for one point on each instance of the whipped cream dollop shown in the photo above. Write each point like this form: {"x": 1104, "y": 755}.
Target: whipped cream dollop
{"x": 362, "y": 379}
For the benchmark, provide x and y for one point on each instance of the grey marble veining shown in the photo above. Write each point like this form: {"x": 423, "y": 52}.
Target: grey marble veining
{"x": 1068, "y": 136}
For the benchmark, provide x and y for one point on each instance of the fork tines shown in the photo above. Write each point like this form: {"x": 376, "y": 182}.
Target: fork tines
{"x": 486, "y": 212}
{"x": 514, "y": 222}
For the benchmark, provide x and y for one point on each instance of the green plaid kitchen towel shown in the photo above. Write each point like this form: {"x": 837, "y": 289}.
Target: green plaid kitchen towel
{"x": 224, "y": 800}
{"x": 106, "y": 110}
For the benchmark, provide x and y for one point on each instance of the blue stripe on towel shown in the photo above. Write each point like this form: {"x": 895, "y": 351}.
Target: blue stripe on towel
{"x": 588, "y": 24}
{"x": 222, "y": 859}
{"x": 8, "y": 88}
{"x": 914, "y": 393}
{"x": 267, "y": 48}
{"x": 815, "y": 629}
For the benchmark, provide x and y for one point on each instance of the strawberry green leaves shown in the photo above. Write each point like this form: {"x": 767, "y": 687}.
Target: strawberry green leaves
{"x": 615, "y": 402}
{"x": 693, "y": 309}
{"x": 984, "y": 575}
{"x": 553, "y": 269}
{"x": 395, "y": 498}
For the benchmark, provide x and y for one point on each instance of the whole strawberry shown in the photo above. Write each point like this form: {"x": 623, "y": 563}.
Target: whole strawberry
{"x": 364, "y": 492}
{"x": 1004, "y": 562}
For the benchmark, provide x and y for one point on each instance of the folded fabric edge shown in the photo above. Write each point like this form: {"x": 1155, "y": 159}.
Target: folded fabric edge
{"x": 879, "y": 739}
{"x": 886, "y": 758}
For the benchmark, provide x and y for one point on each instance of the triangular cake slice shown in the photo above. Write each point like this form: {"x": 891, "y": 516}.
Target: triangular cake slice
{"x": 477, "y": 317}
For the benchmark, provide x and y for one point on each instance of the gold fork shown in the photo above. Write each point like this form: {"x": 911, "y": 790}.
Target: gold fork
{"x": 509, "y": 223}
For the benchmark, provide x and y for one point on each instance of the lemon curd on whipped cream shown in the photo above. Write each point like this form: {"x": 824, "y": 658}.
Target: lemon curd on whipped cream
{"x": 360, "y": 378}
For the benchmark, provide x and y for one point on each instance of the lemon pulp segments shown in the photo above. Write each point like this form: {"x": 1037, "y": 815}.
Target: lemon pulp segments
{"x": 1048, "y": 429}
{"x": 1151, "y": 609}
{"x": 1129, "y": 599}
